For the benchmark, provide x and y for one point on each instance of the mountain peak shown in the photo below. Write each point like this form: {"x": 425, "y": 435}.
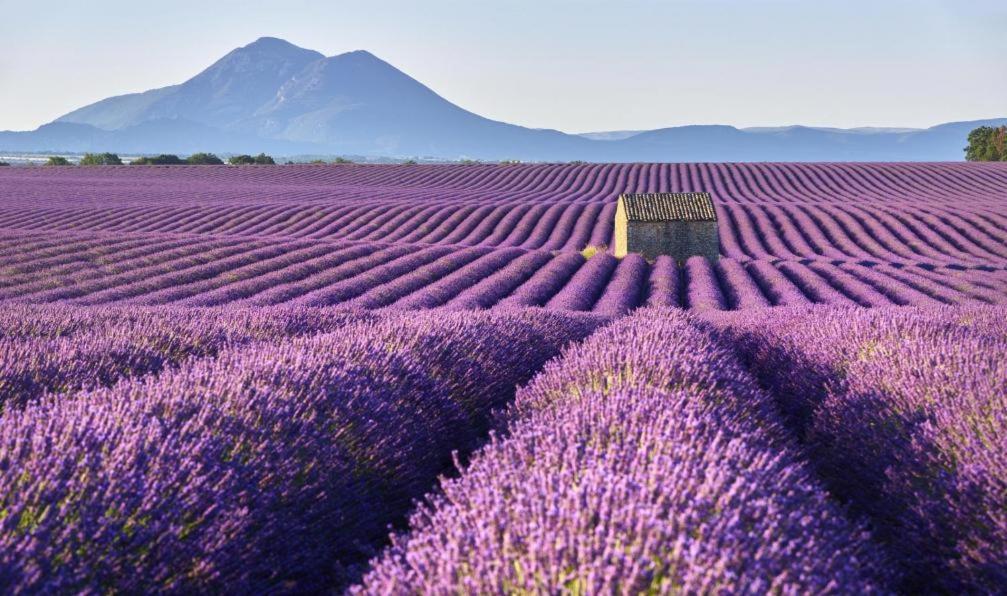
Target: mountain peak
{"x": 357, "y": 54}
{"x": 272, "y": 44}
{"x": 267, "y": 39}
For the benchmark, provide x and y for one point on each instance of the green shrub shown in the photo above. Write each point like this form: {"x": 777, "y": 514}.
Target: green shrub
{"x": 591, "y": 250}
{"x": 342, "y": 160}
{"x": 247, "y": 160}
{"x": 100, "y": 159}
{"x": 204, "y": 159}
{"x": 3, "y": 163}
{"x": 160, "y": 160}
{"x": 56, "y": 160}
{"x": 241, "y": 160}
{"x": 409, "y": 162}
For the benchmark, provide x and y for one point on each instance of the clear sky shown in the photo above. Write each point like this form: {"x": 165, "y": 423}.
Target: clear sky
{"x": 574, "y": 65}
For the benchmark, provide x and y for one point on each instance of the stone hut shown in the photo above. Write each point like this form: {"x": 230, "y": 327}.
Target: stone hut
{"x": 676, "y": 224}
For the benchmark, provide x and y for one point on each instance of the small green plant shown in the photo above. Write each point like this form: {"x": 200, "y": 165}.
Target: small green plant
{"x": 204, "y": 159}
{"x": 56, "y": 160}
{"x": 100, "y": 159}
{"x": 3, "y": 163}
{"x": 590, "y": 250}
{"x": 342, "y": 160}
{"x": 409, "y": 162}
{"x": 318, "y": 162}
{"x": 510, "y": 162}
{"x": 470, "y": 162}
{"x": 264, "y": 160}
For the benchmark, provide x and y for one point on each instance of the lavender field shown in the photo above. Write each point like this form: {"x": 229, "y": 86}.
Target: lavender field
{"x": 397, "y": 379}
{"x": 409, "y": 237}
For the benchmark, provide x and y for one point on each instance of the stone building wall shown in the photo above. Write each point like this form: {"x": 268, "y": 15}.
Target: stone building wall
{"x": 679, "y": 239}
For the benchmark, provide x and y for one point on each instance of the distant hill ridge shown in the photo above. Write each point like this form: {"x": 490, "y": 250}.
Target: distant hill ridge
{"x": 274, "y": 96}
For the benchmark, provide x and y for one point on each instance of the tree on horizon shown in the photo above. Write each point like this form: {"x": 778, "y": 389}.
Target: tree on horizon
{"x": 204, "y": 159}
{"x": 987, "y": 143}
{"x": 165, "y": 159}
{"x": 100, "y": 159}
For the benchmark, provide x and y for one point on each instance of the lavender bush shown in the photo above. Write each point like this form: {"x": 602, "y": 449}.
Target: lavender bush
{"x": 273, "y": 467}
{"x": 903, "y": 411}
{"x": 58, "y": 349}
{"x": 646, "y": 459}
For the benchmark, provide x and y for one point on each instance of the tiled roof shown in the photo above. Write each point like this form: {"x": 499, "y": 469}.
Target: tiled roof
{"x": 669, "y": 206}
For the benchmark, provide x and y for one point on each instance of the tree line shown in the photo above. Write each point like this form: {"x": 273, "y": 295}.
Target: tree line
{"x": 165, "y": 159}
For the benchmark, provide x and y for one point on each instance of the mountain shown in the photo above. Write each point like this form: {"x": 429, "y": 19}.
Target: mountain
{"x": 944, "y": 142}
{"x": 276, "y": 97}
{"x": 358, "y": 103}
{"x": 222, "y": 96}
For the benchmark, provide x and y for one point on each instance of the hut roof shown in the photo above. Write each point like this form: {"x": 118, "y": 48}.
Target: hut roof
{"x": 669, "y": 206}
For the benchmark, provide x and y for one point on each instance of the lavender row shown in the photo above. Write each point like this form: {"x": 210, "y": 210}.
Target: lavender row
{"x": 584, "y": 288}
{"x": 624, "y": 290}
{"x": 903, "y": 411}
{"x": 59, "y": 349}
{"x": 646, "y": 460}
{"x": 494, "y": 287}
{"x": 273, "y": 467}
{"x": 439, "y": 291}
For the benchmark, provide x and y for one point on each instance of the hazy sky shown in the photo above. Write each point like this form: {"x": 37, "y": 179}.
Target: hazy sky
{"x": 573, "y": 65}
